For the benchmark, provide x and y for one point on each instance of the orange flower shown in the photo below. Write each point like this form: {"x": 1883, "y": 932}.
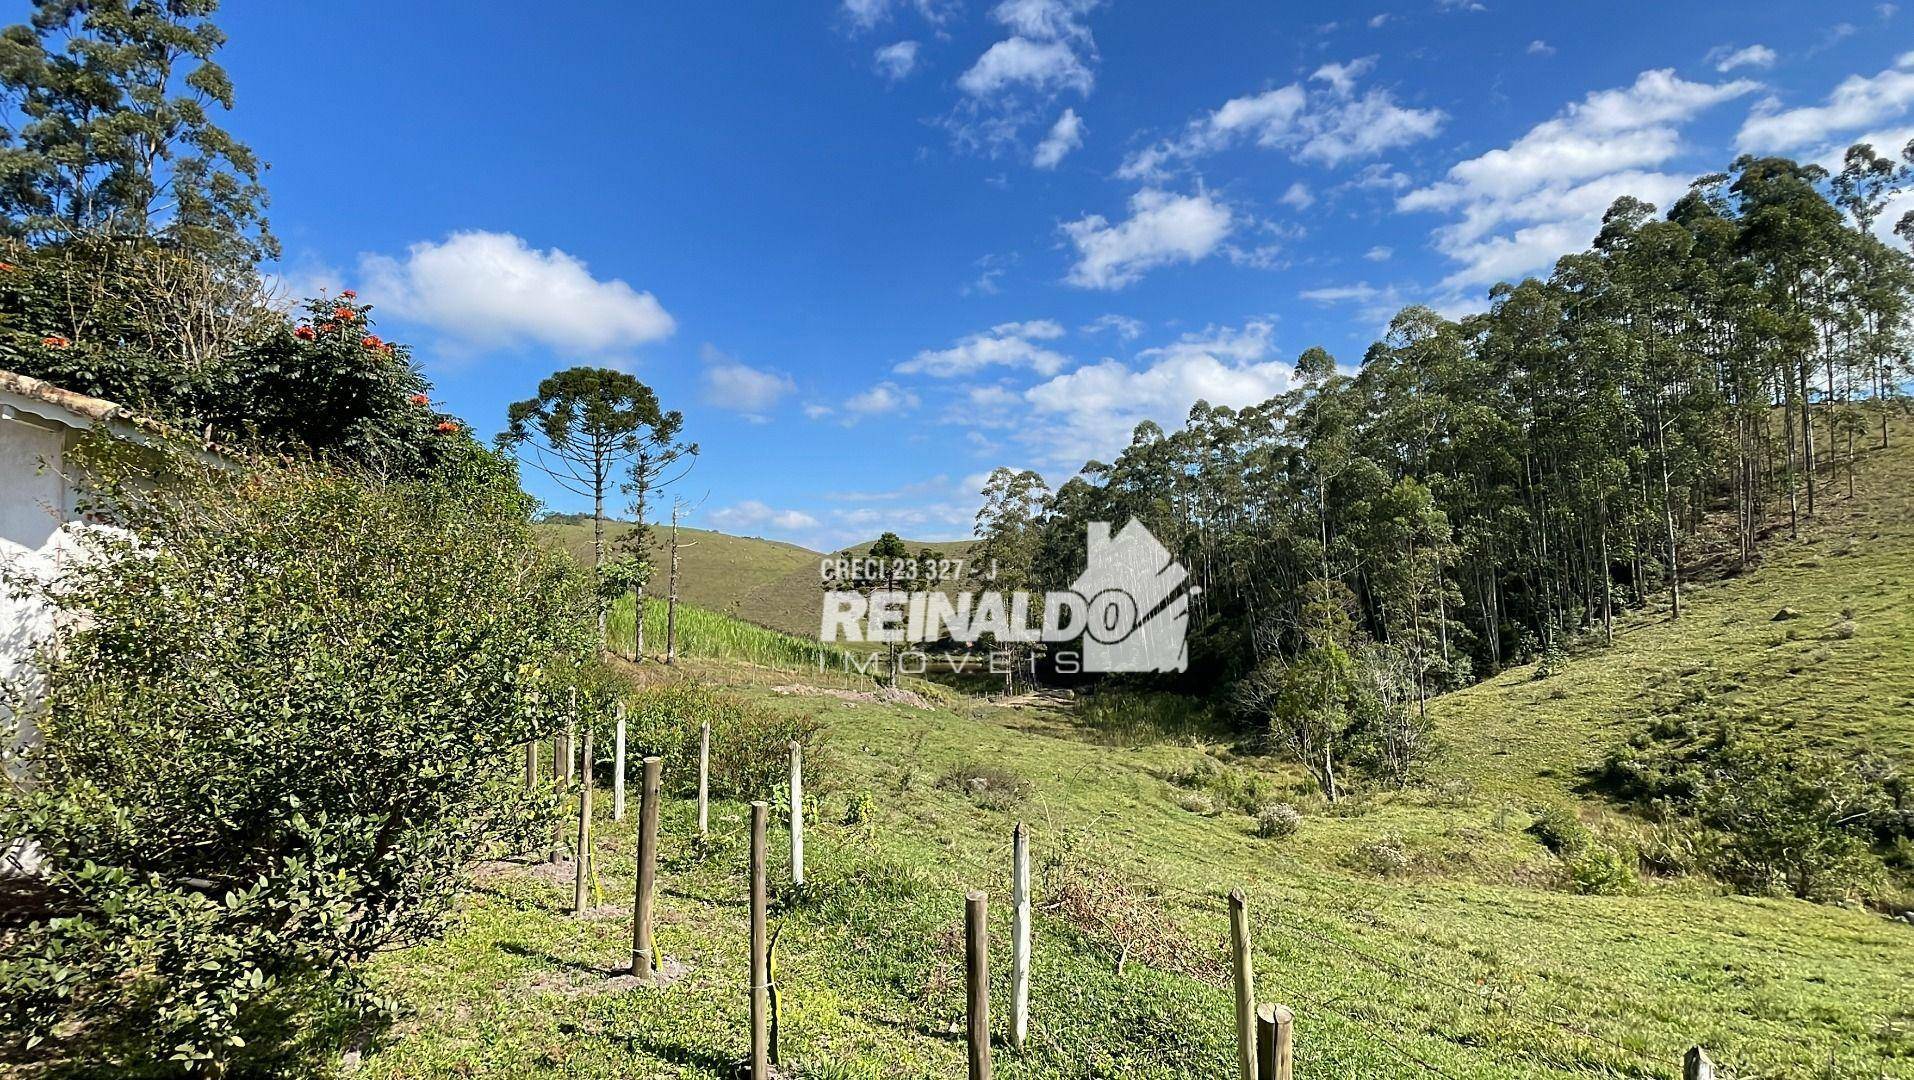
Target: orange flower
{"x": 446, "y": 427}
{"x": 7, "y": 268}
{"x": 371, "y": 341}
{"x": 327, "y": 327}
{"x": 55, "y": 341}
{"x": 421, "y": 399}
{"x": 303, "y": 332}
{"x": 343, "y": 312}
{"x": 349, "y": 295}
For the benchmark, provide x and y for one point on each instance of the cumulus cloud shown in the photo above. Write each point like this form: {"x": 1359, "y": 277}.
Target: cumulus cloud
{"x": 752, "y": 515}
{"x": 729, "y": 383}
{"x": 884, "y": 397}
{"x": 1298, "y": 196}
{"x": 1521, "y": 206}
{"x": 1049, "y": 52}
{"x": 867, "y": 14}
{"x": 1162, "y": 229}
{"x": 1122, "y": 325}
{"x": 1011, "y": 344}
{"x": 1327, "y": 125}
{"x": 1858, "y": 101}
{"x": 1090, "y": 412}
{"x": 493, "y": 290}
{"x": 1044, "y": 65}
{"x": 1065, "y": 135}
{"x": 1727, "y": 58}
{"x": 896, "y": 60}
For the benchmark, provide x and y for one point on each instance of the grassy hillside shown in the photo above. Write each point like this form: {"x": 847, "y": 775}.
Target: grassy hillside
{"x": 1425, "y": 932}
{"x": 767, "y": 582}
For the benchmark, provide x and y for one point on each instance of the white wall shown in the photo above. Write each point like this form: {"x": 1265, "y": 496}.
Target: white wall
{"x": 34, "y": 503}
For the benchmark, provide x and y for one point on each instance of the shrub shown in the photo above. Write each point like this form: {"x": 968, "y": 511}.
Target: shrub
{"x": 1559, "y": 830}
{"x": 279, "y": 726}
{"x": 750, "y": 746}
{"x": 1386, "y": 856}
{"x": 1135, "y": 717}
{"x": 989, "y": 785}
{"x": 1277, "y": 820}
{"x": 860, "y": 809}
{"x": 1602, "y": 869}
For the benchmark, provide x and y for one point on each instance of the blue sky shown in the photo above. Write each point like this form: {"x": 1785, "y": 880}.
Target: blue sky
{"x": 874, "y": 248}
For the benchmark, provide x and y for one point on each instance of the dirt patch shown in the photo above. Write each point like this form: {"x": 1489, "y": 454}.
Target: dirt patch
{"x": 884, "y": 694}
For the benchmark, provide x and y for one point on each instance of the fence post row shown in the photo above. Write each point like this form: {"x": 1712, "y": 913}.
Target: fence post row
{"x": 644, "y": 959}
{"x": 581, "y": 872}
{"x": 618, "y": 766}
{"x": 760, "y": 963}
{"x": 797, "y": 814}
{"x": 1019, "y": 936}
{"x": 977, "y": 979}
{"x": 1245, "y": 985}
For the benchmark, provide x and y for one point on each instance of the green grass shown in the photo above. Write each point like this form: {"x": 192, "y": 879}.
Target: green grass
{"x": 709, "y": 635}
{"x": 1425, "y": 932}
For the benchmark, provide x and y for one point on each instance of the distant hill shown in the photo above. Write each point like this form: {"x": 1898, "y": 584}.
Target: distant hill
{"x": 767, "y": 582}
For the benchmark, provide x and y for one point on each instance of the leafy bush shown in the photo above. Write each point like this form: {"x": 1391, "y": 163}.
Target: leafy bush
{"x": 1766, "y": 818}
{"x": 1277, "y": 820}
{"x": 750, "y": 746}
{"x": 1560, "y": 831}
{"x": 1228, "y": 786}
{"x": 281, "y": 723}
{"x": 1603, "y": 869}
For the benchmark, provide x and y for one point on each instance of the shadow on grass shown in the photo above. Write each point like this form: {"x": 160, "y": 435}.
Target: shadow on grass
{"x": 513, "y": 948}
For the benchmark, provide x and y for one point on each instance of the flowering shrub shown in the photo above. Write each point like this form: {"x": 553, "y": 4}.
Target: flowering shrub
{"x": 174, "y": 340}
{"x": 286, "y": 719}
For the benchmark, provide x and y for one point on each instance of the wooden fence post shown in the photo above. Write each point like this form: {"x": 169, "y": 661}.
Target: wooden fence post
{"x": 618, "y": 767}
{"x": 1695, "y": 1065}
{"x": 797, "y": 814}
{"x": 558, "y": 783}
{"x": 760, "y": 962}
{"x": 1275, "y": 1056}
{"x": 977, "y": 978}
{"x": 644, "y": 959}
{"x": 704, "y": 779}
{"x": 1019, "y": 936}
{"x": 571, "y": 744}
{"x": 531, "y": 765}
{"x": 1245, "y": 985}
{"x": 581, "y": 876}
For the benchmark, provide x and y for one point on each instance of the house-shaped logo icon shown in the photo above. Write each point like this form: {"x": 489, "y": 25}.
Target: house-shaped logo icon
{"x": 1136, "y": 608}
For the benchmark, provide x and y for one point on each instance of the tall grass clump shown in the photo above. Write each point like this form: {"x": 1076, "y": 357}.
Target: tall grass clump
{"x": 750, "y": 746}
{"x": 1135, "y": 717}
{"x": 716, "y": 636}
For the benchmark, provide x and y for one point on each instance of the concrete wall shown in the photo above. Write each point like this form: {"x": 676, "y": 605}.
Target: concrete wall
{"x": 34, "y": 503}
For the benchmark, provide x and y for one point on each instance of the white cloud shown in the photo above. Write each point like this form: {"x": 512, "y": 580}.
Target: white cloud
{"x": 1858, "y": 101}
{"x": 1378, "y": 177}
{"x": 492, "y": 290}
{"x": 1065, "y": 135}
{"x": 1327, "y": 126}
{"x": 1122, "y": 325}
{"x": 817, "y": 410}
{"x": 1049, "y": 52}
{"x": 1379, "y": 253}
{"x": 730, "y": 383}
{"x": 1162, "y": 229}
{"x": 1090, "y": 412}
{"x": 1006, "y": 344}
{"x": 1342, "y": 77}
{"x": 1047, "y": 66}
{"x": 752, "y": 515}
{"x": 867, "y": 14}
{"x": 1886, "y": 11}
{"x": 1727, "y": 58}
{"x": 1376, "y": 22}
{"x": 1538, "y": 47}
{"x": 1544, "y": 194}
{"x": 1298, "y": 196}
{"x": 884, "y": 397}
{"x": 1372, "y": 304}
{"x": 896, "y": 60}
